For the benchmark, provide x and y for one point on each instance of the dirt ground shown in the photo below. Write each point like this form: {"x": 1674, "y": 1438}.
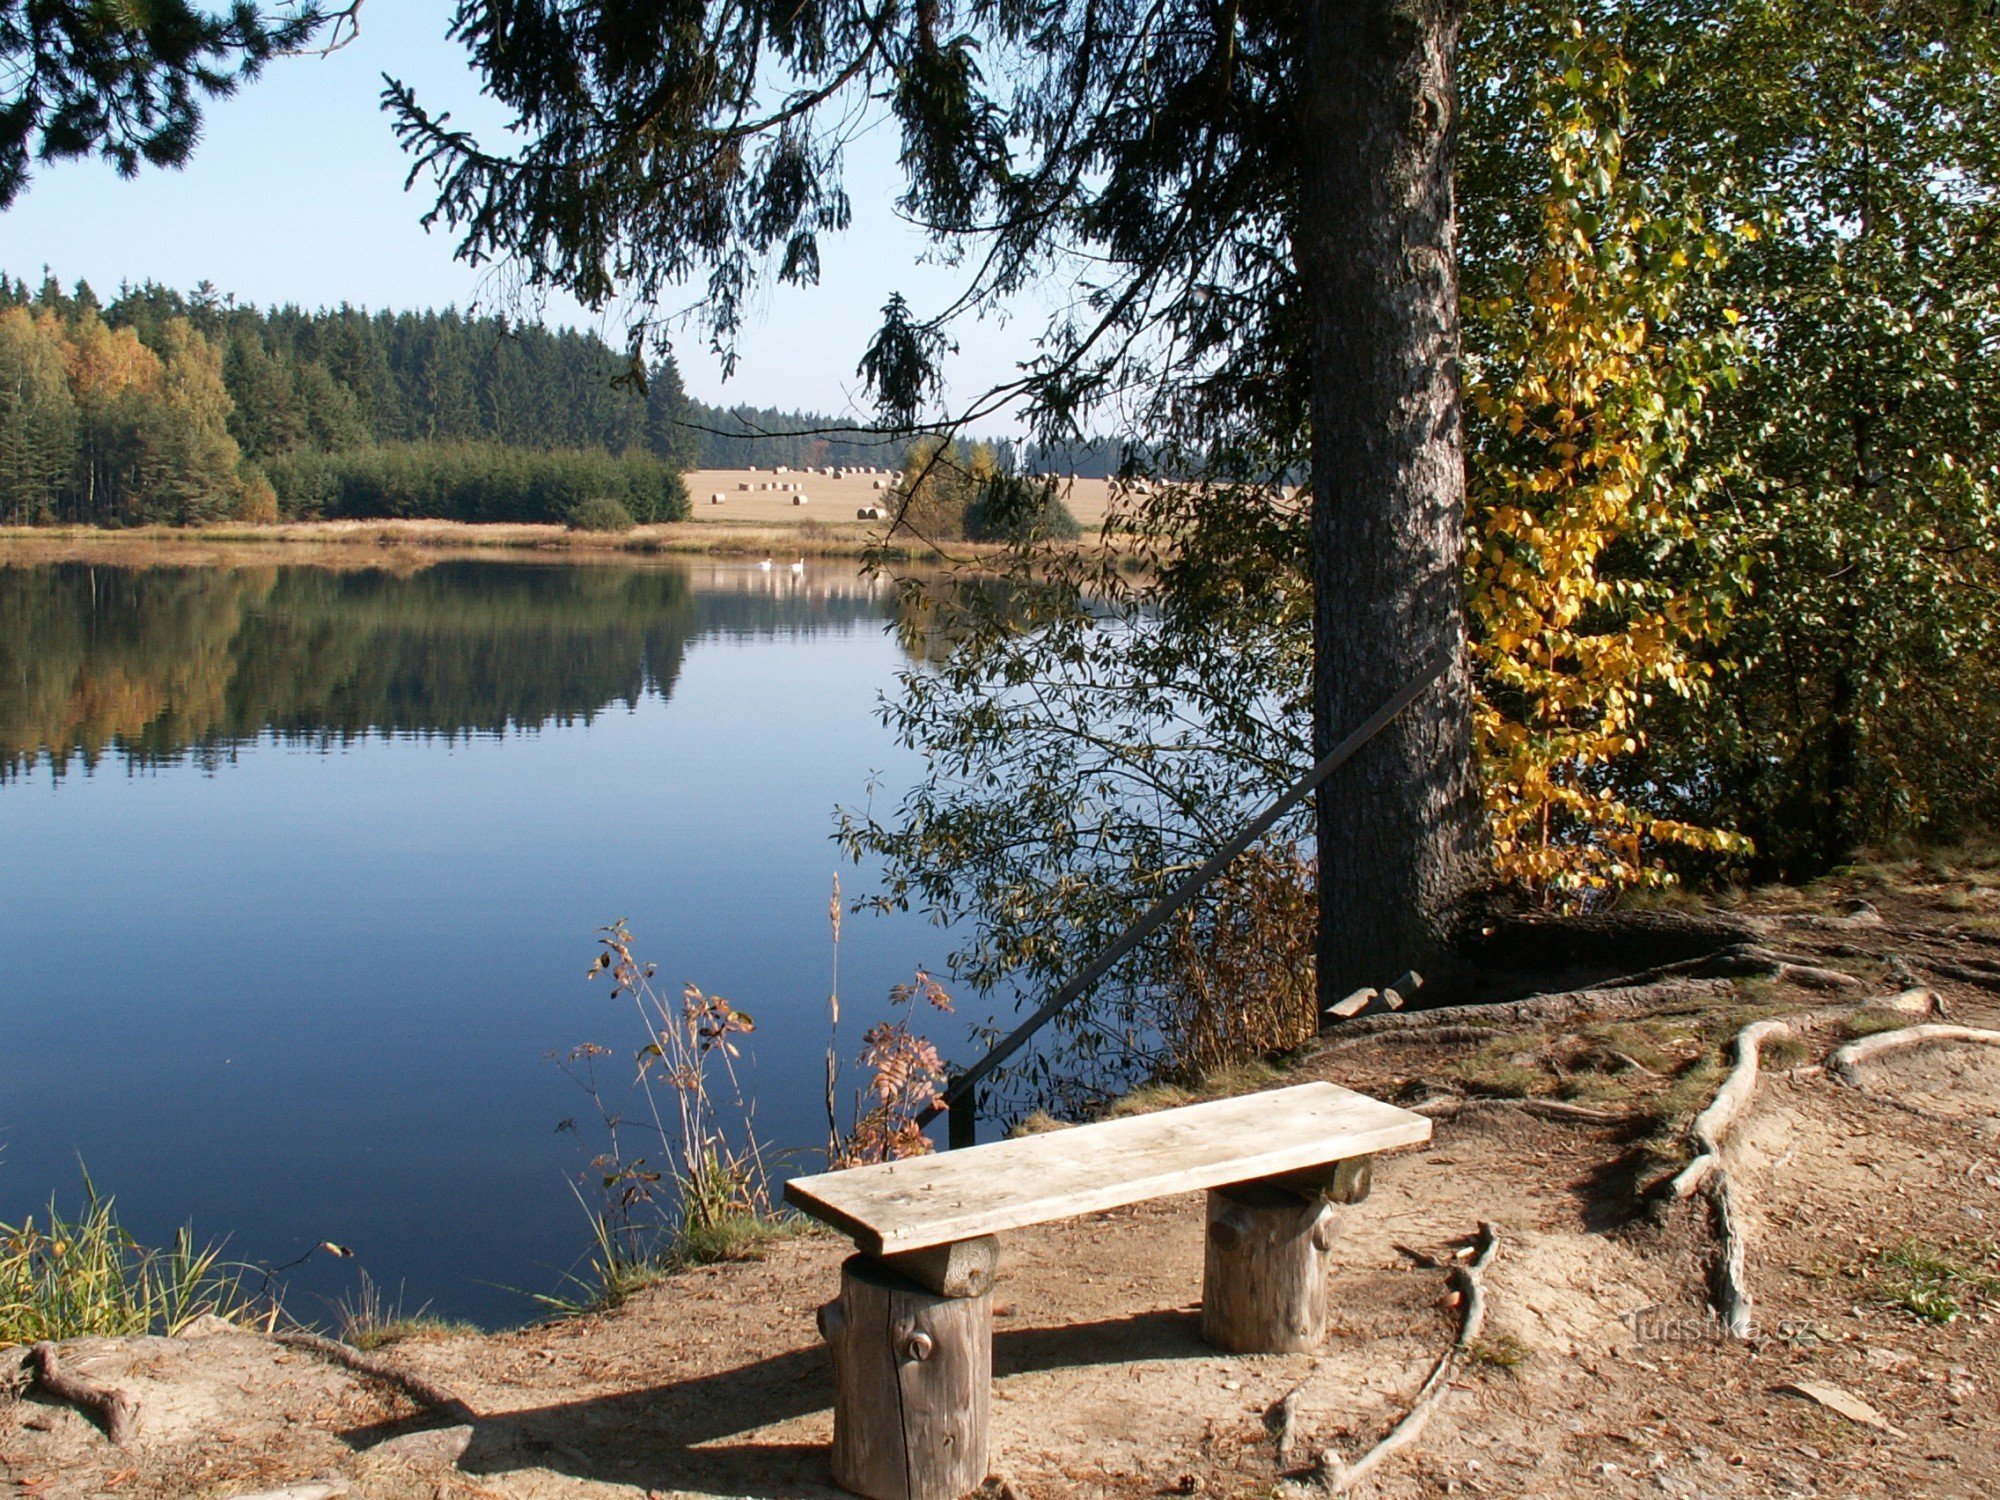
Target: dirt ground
{"x": 1599, "y": 1371}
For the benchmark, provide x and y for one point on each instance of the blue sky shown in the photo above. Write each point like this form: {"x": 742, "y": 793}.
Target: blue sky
{"x": 295, "y": 194}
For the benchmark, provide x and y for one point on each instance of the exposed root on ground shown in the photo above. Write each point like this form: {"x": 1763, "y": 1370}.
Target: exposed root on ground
{"x": 425, "y": 1393}
{"x": 1743, "y": 961}
{"x": 1337, "y": 1477}
{"x": 1450, "y": 1106}
{"x": 1562, "y": 1005}
{"x": 1965, "y": 973}
{"x": 1728, "y": 1293}
{"x": 113, "y": 1411}
{"x": 1714, "y": 1122}
{"x": 1845, "y": 1062}
{"x": 1916, "y": 1001}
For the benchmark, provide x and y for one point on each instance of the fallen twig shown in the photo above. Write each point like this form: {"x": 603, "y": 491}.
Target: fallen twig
{"x": 425, "y": 1393}
{"x": 111, "y": 1410}
{"x": 1633, "y": 1064}
{"x": 1467, "y": 1280}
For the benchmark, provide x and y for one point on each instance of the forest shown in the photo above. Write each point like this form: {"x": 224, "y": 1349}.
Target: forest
{"x": 160, "y": 407}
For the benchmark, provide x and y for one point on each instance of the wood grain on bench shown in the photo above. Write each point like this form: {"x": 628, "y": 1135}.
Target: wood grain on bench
{"x": 935, "y": 1200}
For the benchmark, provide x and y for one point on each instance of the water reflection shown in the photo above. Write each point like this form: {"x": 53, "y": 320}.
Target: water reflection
{"x": 151, "y": 664}
{"x": 312, "y": 997}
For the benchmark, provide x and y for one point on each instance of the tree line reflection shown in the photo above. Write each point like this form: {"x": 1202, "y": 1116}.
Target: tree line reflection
{"x": 151, "y": 665}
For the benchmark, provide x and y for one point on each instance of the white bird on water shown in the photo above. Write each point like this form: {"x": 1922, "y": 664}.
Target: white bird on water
{"x": 799, "y": 566}
{"x": 765, "y": 565}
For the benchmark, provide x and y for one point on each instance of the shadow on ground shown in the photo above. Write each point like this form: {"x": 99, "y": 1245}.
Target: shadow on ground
{"x": 677, "y": 1437}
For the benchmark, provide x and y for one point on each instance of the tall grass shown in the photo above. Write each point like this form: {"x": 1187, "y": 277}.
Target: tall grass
{"x": 86, "y": 1276}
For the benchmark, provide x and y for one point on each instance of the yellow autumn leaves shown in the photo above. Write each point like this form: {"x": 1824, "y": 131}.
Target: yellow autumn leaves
{"x": 1587, "y": 596}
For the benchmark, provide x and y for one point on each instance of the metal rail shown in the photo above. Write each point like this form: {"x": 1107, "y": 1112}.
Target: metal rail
{"x": 959, "y": 1097}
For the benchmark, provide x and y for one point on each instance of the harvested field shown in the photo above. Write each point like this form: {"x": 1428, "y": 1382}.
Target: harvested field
{"x": 833, "y": 499}
{"x": 748, "y": 522}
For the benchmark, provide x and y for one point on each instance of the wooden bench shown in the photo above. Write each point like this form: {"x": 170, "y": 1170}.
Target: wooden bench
{"x": 912, "y": 1331}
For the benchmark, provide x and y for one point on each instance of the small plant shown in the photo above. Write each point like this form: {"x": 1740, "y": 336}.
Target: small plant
{"x": 370, "y": 1320}
{"x": 708, "y": 1195}
{"x": 87, "y": 1276}
{"x": 1935, "y": 1282}
{"x": 1501, "y": 1352}
{"x": 907, "y": 1077}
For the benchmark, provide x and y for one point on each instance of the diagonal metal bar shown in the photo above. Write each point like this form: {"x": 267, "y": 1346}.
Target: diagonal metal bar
{"x": 962, "y": 1086}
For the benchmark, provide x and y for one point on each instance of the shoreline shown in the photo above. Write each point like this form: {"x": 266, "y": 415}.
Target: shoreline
{"x": 432, "y": 541}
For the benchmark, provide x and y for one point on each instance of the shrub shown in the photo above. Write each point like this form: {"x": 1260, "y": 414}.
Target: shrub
{"x": 599, "y": 513}
{"x": 1014, "y": 508}
{"x": 474, "y": 482}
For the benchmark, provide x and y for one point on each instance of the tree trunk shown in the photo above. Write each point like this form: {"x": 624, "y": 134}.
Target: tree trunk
{"x": 1399, "y": 827}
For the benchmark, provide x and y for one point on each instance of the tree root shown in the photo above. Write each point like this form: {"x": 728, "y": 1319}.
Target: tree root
{"x": 1648, "y": 989}
{"x": 1963, "y": 973}
{"x": 1561, "y": 1005}
{"x": 1916, "y": 1001}
{"x": 1728, "y": 1292}
{"x": 1846, "y": 1061}
{"x": 1730, "y": 1101}
{"x": 1336, "y": 1476}
{"x": 111, "y": 1410}
{"x": 427, "y": 1394}
{"x": 1450, "y": 1106}
{"x": 1516, "y": 940}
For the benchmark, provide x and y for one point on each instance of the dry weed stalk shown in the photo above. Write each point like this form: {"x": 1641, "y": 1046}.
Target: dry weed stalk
{"x": 907, "y": 1077}
{"x": 718, "y": 1180}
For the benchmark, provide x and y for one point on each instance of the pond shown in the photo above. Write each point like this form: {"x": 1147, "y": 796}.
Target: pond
{"x": 301, "y": 870}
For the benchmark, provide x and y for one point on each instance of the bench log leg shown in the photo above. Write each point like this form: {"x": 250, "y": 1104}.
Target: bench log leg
{"x": 1264, "y": 1273}
{"x": 912, "y": 1385}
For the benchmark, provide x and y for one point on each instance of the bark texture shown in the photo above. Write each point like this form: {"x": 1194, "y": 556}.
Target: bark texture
{"x": 912, "y": 1381}
{"x": 1398, "y": 829}
{"x": 1264, "y": 1273}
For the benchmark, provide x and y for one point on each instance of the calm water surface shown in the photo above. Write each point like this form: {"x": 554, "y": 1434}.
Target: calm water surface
{"x": 300, "y": 871}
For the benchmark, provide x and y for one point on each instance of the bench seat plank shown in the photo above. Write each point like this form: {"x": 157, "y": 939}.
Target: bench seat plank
{"x": 935, "y": 1200}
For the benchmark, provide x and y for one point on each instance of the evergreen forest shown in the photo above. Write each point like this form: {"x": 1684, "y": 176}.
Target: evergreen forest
{"x": 160, "y": 407}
